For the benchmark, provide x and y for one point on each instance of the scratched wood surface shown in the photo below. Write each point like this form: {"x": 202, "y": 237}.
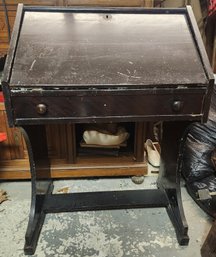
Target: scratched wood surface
{"x": 82, "y": 49}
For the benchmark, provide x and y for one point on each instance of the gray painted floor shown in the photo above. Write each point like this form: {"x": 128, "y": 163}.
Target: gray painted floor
{"x": 118, "y": 233}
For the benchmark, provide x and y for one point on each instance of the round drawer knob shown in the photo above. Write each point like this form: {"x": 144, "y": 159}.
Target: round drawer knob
{"x": 41, "y": 108}
{"x": 177, "y": 106}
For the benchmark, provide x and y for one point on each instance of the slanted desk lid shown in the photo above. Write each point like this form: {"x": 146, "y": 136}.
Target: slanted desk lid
{"x": 83, "y": 48}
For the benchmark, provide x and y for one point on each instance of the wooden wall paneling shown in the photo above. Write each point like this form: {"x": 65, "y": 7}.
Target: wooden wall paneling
{"x": 71, "y": 143}
{"x": 16, "y": 143}
{"x": 49, "y": 136}
{"x": 148, "y": 3}
{"x": 53, "y": 140}
{"x": 4, "y": 146}
{"x": 13, "y": 147}
{"x": 56, "y": 139}
{"x": 3, "y": 27}
{"x": 25, "y": 151}
{"x": 113, "y": 3}
{"x": 140, "y": 138}
{"x": 32, "y": 2}
{"x": 3, "y": 49}
{"x": 63, "y": 140}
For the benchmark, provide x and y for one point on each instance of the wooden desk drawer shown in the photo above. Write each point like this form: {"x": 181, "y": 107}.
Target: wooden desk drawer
{"x": 105, "y": 105}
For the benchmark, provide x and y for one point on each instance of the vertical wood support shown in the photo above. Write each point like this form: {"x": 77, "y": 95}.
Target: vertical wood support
{"x": 71, "y": 143}
{"x": 35, "y": 138}
{"x": 139, "y": 139}
{"x": 169, "y": 176}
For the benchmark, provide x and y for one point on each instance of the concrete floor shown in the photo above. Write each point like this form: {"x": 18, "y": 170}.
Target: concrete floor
{"x": 116, "y": 233}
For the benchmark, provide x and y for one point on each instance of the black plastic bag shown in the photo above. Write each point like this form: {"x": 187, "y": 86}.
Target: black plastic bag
{"x": 197, "y": 167}
{"x": 197, "y": 150}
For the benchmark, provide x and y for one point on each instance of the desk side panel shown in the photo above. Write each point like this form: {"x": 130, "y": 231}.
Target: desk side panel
{"x": 9, "y": 63}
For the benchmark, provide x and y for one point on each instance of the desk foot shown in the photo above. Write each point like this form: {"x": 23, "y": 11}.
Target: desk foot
{"x": 176, "y": 214}
{"x": 32, "y": 238}
{"x": 41, "y": 188}
{"x": 36, "y": 220}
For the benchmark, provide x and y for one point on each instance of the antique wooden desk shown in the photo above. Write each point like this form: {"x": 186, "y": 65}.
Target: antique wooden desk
{"x": 90, "y": 65}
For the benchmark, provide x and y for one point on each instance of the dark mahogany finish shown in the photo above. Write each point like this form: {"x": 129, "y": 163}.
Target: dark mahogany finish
{"x": 83, "y": 65}
{"x": 105, "y": 104}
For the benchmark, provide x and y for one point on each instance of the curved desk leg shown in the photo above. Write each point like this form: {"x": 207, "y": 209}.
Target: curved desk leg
{"x": 169, "y": 177}
{"x": 35, "y": 138}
